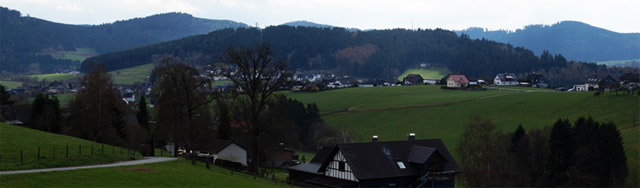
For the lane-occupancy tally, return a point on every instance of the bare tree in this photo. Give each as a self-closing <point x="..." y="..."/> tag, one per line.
<point x="97" y="111"/>
<point x="258" y="77"/>
<point x="183" y="113"/>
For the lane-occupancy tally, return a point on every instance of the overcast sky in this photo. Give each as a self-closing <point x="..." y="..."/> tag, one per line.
<point x="616" y="15"/>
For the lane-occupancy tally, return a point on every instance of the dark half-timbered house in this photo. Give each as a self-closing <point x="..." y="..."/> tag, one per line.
<point x="409" y="163"/>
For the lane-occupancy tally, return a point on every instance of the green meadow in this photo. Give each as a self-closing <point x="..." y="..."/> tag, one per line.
<point x="80" y="54"/>
<point x="16" y="139"/>
<point x="132" y="75"/>
<point x="56" y="76"/>
<point x="425" y="73"/>
<point x="122" y="76"/>
<point x="178" y="173"/>
<point x="431" y="112"/>
<point x="619" y="62"/>
<point x="10" y="84"/>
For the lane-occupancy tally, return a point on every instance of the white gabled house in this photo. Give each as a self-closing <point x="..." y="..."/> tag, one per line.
<point x="505" y="79"/>
<point x="227" y="150"/>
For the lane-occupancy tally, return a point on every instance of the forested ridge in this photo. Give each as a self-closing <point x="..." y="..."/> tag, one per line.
<point x="369" y="54"/>
<point x="25" y="39"/>
<point x="575" y="40"/>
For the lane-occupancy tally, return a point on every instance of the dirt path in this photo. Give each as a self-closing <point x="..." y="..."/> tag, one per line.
<point x="124" y="163"/>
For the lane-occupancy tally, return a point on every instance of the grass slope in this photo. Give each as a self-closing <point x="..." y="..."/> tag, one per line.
<point x="132" y="75"/>
<point x="10" y="84"/>
<point x="178" y="173"/>
<point x="14" y="139"/>
<point x="56" y="76"/>
<point x="436" y="113"/>
<point x="629" y="62"/>
<point x="122" y="76"/>
<point x="425" y="73"/>
<point x="80" y="54"/>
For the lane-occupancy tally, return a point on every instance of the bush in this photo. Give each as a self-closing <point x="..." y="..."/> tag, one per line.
<point x="229" y="164"/>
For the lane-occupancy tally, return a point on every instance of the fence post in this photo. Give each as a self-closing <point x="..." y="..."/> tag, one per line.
<point x="38" y="152"/>
<point x="80" y="149"/>
<point x="102" y="149"/>
<point x="54" y="151"/>
<point x="120" y="150"/>
<point x="20" y="156"/>
<point x="67" y="150"/>
<point x="91" y="149"/>
<point x="113" y="150"/>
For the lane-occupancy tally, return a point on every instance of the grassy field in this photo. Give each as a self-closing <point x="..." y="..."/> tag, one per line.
<point x="356" y="99"/>
<point x="122" y="76"/>
<point x="392" y="112"/>
<point x="132" y="75"/>
<point x="10" y="84"/>
<point x="425" y="73"/>
<point x="14" y="139"/>
<point x="80" y="54"/>
<point x="179" y="173"/>
<point x="56" y="76"/>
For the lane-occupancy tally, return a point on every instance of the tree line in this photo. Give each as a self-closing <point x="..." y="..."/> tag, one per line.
<point x="371" y="54"/>
<point x="586" y="153"/>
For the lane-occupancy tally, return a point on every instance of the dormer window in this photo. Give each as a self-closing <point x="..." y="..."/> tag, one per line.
<point x="401" y="165"/>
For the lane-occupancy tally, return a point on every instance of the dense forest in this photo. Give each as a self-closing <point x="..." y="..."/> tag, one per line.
<point x="24" y="39"/>
<point x="369" y="54"/>
<point x="575" y="40"/>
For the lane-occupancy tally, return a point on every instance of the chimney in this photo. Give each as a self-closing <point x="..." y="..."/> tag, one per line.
<point x="412" y="136"/>
<point x="374" y="138"/>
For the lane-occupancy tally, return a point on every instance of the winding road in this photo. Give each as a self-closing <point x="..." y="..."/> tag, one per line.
<point x="124" y="163"/>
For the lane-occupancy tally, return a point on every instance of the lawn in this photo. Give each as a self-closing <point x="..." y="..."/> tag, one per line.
<point x="132" y="75"/>
<point x="384" y="112"/>
<point x="425" y="73"/>
<point x="15" y="139"/>
<point x="10" y="84"/>
<point x="179" y="173"/>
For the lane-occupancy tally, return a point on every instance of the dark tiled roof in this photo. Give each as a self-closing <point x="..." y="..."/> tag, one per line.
<point x="322" y="155"/>
<point x="630" y="77"/>
<point x="419" y="154"/>
<point x="314" y="166"/>
<point x="372" y="160"/>
<point x="216" y="145"/>
<point x="507" y="77"/>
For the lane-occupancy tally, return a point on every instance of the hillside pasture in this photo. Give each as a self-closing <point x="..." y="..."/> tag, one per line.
<point x="425" y="73"/>
<point x="56" y="76"/>
<point x="178" y="173"/>
<point x="10" y="84"/>
<point x="436" y="113"/>
<point x="132" y="75"/>
<point x="16" y="139"/>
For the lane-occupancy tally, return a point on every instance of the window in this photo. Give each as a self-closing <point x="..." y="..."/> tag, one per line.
<point x="401" y="165"/>
<point x="341" y="165"/>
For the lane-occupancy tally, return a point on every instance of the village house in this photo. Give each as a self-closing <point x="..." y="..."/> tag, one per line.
<point x="505" y="79"/>
<point x="226" y="150"/>
<point x="600" y="83"/>
<point x="431" y="81"/>
<point x="537" y="80"/>
<point x="457" y="81"/>
<point x="412" y="79"/>
<point x="630" y="80"/>
<point x="409" y="163"/>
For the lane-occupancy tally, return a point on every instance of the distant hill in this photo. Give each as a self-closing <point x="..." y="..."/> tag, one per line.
<point x="303" y="23"/>
<point x="381" y="54"/>
<point x="24" y="40"/>
<point x="575" y="40"/>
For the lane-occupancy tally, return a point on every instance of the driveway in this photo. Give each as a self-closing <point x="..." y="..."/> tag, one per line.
<point x="124" y="163"/>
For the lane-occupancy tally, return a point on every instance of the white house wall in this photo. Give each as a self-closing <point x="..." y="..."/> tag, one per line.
<point x="234" y="153"/>
<point x="332" y="169"/>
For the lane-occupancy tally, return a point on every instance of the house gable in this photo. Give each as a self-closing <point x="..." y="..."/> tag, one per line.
<point x="234" y="153"/>
<point x="337" y="167"/>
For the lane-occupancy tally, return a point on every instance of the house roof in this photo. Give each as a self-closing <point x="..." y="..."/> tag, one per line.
<point x="459" y="78"/>
<point x="216" y="145"/>
<point x="630" y="77"/>
<point x="414" y="78"/>
<point x="507" y="77"/>
<point x="372" y="160"/>
<point x="316" y="163"/>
